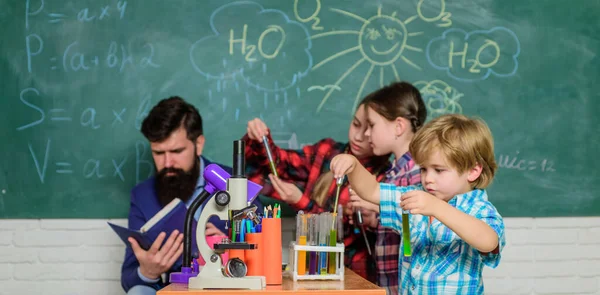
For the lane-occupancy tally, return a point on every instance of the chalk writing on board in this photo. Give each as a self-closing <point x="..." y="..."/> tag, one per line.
<point x="313" y="17"/>
<point x="86" y="118"/>
<point x="117" y="56"/>
<point x="269" y="51"/>
<point x="475" y="55"/>
<point x="91" y="168"/>
<point x="443" y="17"/>
<point x="84" y="15"/>
<point x="516" y="162"/>
<point x="439" y="97"/>
<point x="382" y="40"/>
<point x="324" y="88"/>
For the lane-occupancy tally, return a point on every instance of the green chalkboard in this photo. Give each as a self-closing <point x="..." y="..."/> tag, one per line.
<point x="78" y="77"/>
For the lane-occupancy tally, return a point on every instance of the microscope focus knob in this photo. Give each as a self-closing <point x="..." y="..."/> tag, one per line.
<point x="222" y="198"/>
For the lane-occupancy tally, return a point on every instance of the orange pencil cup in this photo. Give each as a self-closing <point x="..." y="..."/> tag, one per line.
<point x="272" y="256"/>
<point x="254" y="258"/>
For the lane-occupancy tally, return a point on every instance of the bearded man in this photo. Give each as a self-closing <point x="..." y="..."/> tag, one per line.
<point x="174" y="129"/>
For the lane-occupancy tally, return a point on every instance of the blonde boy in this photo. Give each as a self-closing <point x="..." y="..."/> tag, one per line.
<point x="455" y="230"/>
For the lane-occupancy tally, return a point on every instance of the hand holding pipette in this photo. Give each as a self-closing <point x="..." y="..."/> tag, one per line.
<point x="257" y="130"/>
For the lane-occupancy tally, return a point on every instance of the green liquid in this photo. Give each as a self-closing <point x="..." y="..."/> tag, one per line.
<point x="406" y="236"/>
<point x="273" y="169"/>
<point x="332" y="242"/>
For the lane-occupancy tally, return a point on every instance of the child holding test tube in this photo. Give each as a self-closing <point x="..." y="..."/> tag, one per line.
<point x="455" y="229"/>
<point x="305" y="182"/>
<point x="394" y="114"/>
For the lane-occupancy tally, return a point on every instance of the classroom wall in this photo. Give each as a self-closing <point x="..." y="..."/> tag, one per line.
<point x="72" y="257"/>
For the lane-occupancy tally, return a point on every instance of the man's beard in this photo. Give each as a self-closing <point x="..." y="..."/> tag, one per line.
<point x="181" y="185"/>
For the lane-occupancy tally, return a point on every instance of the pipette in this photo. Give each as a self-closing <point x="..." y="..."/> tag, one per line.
<point x="339" y="181"/>
<point x="269" y="155"/>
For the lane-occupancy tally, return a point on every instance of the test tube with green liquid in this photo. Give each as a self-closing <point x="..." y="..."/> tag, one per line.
<point x="406" y="234"/>
<point x="271" y="163"/>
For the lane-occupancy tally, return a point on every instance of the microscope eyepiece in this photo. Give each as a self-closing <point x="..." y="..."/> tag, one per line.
<point x="239" y="159"/>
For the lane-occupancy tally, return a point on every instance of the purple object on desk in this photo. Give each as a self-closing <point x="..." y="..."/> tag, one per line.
<point x="216" y="180"/>
<point x="183" y="276"/>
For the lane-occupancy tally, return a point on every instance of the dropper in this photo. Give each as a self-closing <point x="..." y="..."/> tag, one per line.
<point x="339" y="181"/>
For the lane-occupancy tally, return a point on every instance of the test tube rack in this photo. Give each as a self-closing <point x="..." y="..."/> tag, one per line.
<point x="339" y="260"/>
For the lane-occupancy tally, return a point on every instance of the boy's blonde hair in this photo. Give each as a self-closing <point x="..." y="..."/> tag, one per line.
<point x="465" y="142"/>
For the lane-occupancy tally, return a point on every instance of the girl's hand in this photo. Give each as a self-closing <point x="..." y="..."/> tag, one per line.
<point x="342" y="164"/>
<point x="288" y="192"/>
<point x="420" y="202"/>
<point x="257" y="129"/>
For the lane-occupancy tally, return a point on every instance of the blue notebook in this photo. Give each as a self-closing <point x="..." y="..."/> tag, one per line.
<point x="172" y="216"/>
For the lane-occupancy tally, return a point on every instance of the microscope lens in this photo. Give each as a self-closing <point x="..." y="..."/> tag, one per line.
<point x="236" y="268"/>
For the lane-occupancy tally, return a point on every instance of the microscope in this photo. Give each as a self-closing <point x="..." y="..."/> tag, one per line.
<point x="230" y="200"/>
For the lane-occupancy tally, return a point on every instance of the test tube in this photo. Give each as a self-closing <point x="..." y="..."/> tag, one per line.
<point x="332" y="243"/>
<point x="312" y="236"/>
<point x="269" y="155"/>
<point x="340" y="225"/>
<point x="301" y="240"/>
<point x="406" y="249"/>
<point x="323" y="234"/>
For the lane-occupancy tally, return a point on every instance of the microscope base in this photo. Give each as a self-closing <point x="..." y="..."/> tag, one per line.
<point x="250" y="282"/>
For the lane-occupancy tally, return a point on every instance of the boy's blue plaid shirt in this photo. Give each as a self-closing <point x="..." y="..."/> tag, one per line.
<point x="441" y="262"/>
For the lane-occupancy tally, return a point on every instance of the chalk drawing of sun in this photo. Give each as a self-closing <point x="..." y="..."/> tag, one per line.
<point x="382" y="40"/>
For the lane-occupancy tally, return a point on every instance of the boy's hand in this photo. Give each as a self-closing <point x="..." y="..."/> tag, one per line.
<point x="342" y="164"/>
<point x="257" y="129"/>
<point x="420" y="202"/>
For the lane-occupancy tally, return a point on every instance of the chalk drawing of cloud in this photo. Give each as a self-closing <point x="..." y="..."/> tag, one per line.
<point x="475" y="55"/>
<point x="263" y="46"/>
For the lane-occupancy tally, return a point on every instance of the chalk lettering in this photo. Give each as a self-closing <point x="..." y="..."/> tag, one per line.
<point x="31" y="13"/>
<point x="126" y="58"/>
<point x="121" y="6"/>
<point x="88" y="118"/>
<point x="111" y="57"/>
<point x="30" y="53"/>
<point x="41" y="170"/>
<point x="118" y="116"/>
<point x="83" y="16"/>
<point x="147" y="61"/>
<point x="117" y="171"/>
<point x="140" y="153"/>
<point x="104" y="12"/>
<point x="42" y="114"/>
<point x="91" y="168"/>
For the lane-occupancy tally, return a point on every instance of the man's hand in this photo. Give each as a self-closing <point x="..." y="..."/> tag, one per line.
<point x="212" y="230"/>
<point x="157" y="260"/>
<point x="342" y="164"/>
<point x="420" y="202"/>
<point x="257" y="129"/>
<point x="288" y="192"/>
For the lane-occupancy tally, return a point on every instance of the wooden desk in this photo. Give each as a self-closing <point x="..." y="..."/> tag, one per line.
<point x="352" y="284"/>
